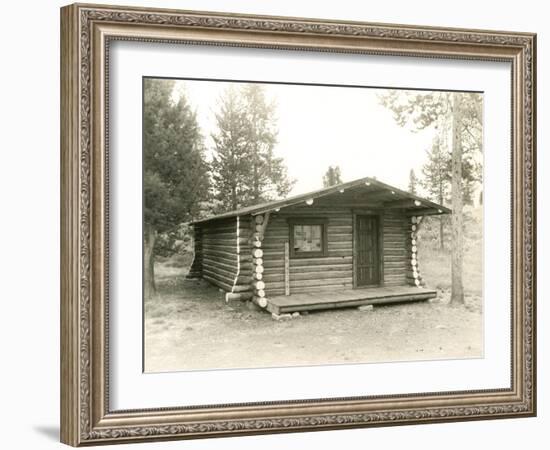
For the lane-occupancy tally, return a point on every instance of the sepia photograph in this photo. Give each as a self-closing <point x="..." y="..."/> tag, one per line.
<point x="289" y="224"/>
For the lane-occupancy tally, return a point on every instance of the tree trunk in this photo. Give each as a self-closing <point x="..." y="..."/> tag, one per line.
<point x="441" y="234"/>
<point x="441" y="228"/>
<point x="457" y="290"/>
<point x="149" y="286"/>
<point x="233" y="198"/>
<point x="255" y="183"/>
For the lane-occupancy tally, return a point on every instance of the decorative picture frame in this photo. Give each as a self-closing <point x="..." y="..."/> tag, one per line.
<point x="86" y="34"/>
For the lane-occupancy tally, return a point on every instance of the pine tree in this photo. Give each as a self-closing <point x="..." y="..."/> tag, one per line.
<point x="175" y="178"/>
<point x="413" y="181"/>
<point x="459" y="115"/>
<point x="436" y="181"/>
<point x="231" y="165"/>
<point x="332" y="176"/>
<point x="269" y="173"/>
<point x="245" y="168"/>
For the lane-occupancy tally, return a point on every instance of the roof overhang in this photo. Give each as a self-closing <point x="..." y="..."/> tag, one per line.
<point x="367" y="191"/>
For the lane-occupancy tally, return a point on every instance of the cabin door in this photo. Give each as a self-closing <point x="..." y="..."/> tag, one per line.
<point x="367" y="259"/>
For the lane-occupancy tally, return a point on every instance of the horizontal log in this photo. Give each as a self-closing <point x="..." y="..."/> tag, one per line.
<point x="227" y="273"/>
<point x="241" y="283"/>
<point x="331" y="254"/>
<point x="321" y="261"/>
<point x="391" y="273"/>
<point x="220" y="248"/>
<point x="315" y="283"/>
<point x="391" y="258"/>
<point x="224" y="235"/>
<point x="224" y="258"/>
<point x="217" y="282"/>
<point x="395" y="252"/>
<point x="340" y="245"/>
<point x="242" y="288"/>
<point x="307" y="289"/>
<point x="217" y="275"/>
<point x="395" y="245"/>
<point x="224" y="265"/>
<point x="245" y="260"/>
<point x="340" y="229"/>
<point x="395" y="237"/>
<point x="308" y="276"/>
<point x="260" y="301"/>
<point x="322" y="268"/>
<point x="236" y="296"/>
<point x="394" y="265"/>
<point x="226" y="242"/>
<point x="339" y="237"/>
<point x="220" y="229"/>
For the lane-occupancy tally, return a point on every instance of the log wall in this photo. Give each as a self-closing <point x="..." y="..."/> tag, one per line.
<point x="225" y="254"/>
<point x="335" y="271"/>
<point x="331" y="272"/>
<point x="395" y="248"/>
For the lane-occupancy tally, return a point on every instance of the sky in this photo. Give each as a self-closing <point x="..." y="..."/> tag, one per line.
<point x="321" y="126"/>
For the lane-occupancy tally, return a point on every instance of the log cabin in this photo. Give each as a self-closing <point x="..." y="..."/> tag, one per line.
<point x="347" y="245"/>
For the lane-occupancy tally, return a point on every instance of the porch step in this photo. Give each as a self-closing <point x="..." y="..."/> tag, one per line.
<point x="347" y="298"/>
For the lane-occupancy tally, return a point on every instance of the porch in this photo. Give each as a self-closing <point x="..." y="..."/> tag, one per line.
<point x="310" y="301"/>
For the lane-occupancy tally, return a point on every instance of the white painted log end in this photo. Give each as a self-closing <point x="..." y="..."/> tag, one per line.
<point x="259" y="285"/>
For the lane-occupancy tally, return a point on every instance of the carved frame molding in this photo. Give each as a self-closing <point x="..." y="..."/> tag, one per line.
<point x="86" y="31"/>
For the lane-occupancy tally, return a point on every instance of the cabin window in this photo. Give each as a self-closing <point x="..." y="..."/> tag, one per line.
<point x="308" y="238"/>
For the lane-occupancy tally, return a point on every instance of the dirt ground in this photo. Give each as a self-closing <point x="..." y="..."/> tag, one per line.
<point x="188" y="326"/>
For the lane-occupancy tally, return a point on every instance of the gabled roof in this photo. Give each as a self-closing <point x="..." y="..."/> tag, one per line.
<point x="368" y="188"/>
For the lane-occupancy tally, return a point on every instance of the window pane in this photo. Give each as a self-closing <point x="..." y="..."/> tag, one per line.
<point x="308" y="238"/>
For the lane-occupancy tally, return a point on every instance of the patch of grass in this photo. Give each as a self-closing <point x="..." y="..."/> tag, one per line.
<point x="435" y="264"/>
<point x="435" y="268"/>
<point x="179" y="260"/>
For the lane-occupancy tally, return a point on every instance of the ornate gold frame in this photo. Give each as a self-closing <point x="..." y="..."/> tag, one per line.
<point x="86" y="31"/>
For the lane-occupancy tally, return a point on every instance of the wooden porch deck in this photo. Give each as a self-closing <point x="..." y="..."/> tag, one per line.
<point x="347" y="298"/>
